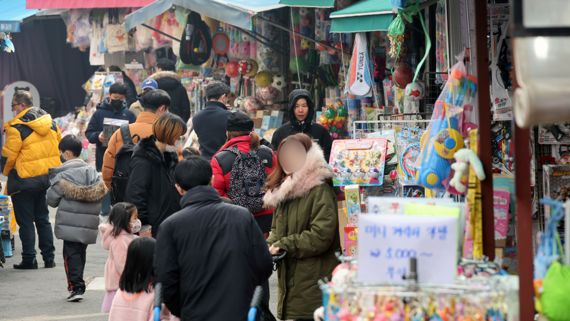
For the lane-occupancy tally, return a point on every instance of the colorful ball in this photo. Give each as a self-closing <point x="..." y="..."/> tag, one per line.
<point x="330" y="113"/>
<point x="263" y="79"/>
<point x="342" y="111"/>
<point x="232" y="69"/>
<point x="403" y="75"/>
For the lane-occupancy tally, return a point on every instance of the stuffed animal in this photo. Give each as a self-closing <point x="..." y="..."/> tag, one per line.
<point x="463" y="158"/>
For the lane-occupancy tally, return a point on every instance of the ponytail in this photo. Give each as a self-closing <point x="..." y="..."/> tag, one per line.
<point x="255" y="141"/>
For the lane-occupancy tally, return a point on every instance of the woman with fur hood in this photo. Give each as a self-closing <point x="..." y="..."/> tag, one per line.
<point x="76" y="190"/>
<point x="305" y="224"/>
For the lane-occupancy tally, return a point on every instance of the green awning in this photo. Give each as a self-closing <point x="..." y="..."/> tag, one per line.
<point x="308" y="3"/>
<point x="364" y="16"/>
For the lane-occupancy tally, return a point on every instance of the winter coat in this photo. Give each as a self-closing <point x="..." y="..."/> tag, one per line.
<point x="211" y="257"/>
<point x="179" y="102"/>
<point x="76" y="190"/>
<point x="151" y="184"/>
<point x="136" y="108"/>
<point x="132" y="306"/>
<point x="31" y="149"/>
<point x="142" y="128"/>
<point x="131" y="95"/>
<point x="317" y="132"/>
<point x="95" y="127"/>
<point x="221" y="182"/>
<point x="117" y="247"/>
<point x="210" y="124"/>
<point x="305" y="224"/>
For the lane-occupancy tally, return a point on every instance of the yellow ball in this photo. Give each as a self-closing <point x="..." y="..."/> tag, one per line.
<point x="432" y="179"/>
<point x="263" y="79"/>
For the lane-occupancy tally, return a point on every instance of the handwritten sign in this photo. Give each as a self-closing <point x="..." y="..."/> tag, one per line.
<point x="387" y="242"/>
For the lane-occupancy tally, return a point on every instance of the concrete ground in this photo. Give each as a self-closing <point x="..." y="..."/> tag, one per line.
<point x="39" y="295"/>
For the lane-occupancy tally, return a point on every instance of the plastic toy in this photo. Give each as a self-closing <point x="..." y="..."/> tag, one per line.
<point x="353" y="160"/>
<point x="232" y="69"/>
<point x="464" y="158"/>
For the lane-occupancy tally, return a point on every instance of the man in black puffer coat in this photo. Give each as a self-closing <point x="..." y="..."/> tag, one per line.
<point x="301" y="114"/>
<point x="169" y="81"/>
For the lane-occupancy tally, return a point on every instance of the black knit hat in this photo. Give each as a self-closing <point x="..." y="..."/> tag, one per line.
<point x="216" y="89"/>
<point x="239" y="122"/>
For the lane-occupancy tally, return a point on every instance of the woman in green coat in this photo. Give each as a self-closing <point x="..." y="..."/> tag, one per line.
<point x="305" y="224"/>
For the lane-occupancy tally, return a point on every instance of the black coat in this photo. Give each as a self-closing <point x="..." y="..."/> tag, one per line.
<point x="179" y="102"/>
<point x="209" y="258"/>
<point x="151" y="184"/>
<point x="210" y="125"/>
<point x="317" y="132"/>
<point x="95" y="127"/>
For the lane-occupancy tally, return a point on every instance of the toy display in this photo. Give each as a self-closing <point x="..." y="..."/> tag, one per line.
<point x="501" y="204"/>
<point x="444" y="138"/>
<point x="359" y="161"/>
<point x="334" y="118"/>
<point x="408" y="149"/>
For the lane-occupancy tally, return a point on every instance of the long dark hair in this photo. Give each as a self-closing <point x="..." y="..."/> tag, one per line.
<point x="120" y="217"/>
<point x="277" y="177"/>
<point x="138" y="274"/>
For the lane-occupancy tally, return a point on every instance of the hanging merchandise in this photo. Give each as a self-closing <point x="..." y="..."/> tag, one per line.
<point x="196" y="44"/>
<point x="360" y="81"/>
<point x="444" y="134"/>
<point x="441" y="55"/>
<point x="334" y="118"/>
<point x="96" y="55"/>
<point x="221" y="47"/>
<point x="359" y="161"/>
<point x="6" y="44"/>
<point x="408" y="149"/>
<point x="247" y="68"/>
<point x="78" y="28"/>
<point x="502" y="103"/>
<point x="232" y="69"/>
<point x="116" y="38"/>
<point x="551" y="277"/>
<point x="263" y="79"/>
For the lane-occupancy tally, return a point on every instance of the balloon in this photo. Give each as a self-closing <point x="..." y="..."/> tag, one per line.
<point x="342" y="111"/>
<point x="248" y="67"/>
<point x="263" y="79"/>
<point x="232" y="69"/>
<point x="330" y="113"/>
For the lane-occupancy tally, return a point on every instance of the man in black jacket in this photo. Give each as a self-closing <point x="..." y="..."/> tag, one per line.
<point x="210" y="123"/>
<point x="212" y="254"/>
<point x="169" y="81"/>
<point x="301" y="114"/>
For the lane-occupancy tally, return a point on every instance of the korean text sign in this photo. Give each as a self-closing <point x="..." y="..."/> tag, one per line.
<point x="387" y="242"/>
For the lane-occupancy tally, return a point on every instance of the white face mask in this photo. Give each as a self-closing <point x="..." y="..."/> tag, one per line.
<point x="135" y="226"/>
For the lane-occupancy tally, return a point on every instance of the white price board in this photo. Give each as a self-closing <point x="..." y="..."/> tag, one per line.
<point x="387" y="242"/>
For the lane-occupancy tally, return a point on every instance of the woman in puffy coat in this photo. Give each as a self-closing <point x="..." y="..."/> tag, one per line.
<point x="151" y="186"/>
<point x="305" y="224"/>
<point x="241" y="136"/>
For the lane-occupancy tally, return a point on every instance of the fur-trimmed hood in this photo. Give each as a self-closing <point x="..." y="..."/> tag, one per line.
<point x="315" y="172"/>
<point x="167" y="80"/>
<point x="89" y="194"/>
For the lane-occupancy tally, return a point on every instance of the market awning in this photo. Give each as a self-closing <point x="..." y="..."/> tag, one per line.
<point x="12" y="14"/>
<point x="308" y="3"/>
<point x="85" y="4"/>
<point x="235" y="12"/>
<point x="363" y="16"/>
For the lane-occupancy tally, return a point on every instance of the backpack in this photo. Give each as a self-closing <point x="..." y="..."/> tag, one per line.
<point x="122" y="167"/>
<point x="247" y="175"/>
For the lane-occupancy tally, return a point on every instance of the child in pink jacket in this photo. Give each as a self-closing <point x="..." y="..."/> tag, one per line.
<point x="117" y="235"/>
<point x="134" y="300"/>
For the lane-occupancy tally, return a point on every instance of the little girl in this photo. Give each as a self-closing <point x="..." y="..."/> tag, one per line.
<point x="117" y="235"/>
<point x="134" y="300"/>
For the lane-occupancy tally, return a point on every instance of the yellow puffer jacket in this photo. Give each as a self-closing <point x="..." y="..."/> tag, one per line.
<point x="31" y="148"/>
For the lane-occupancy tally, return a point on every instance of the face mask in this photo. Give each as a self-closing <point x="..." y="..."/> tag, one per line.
<point x="116" y="104"/>
<point x="62" y="158"/>
<point x="135" y="226"/>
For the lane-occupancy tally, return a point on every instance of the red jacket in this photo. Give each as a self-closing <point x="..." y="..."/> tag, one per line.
<point x="221" y="182"/>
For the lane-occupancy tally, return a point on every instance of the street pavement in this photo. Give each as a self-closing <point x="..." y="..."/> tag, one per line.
<point x="40" y="295"/>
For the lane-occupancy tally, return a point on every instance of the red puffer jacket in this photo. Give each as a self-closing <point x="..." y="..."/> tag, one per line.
<point x="222" y="182"/>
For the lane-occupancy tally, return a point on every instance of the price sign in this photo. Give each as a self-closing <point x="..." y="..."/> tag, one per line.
<point x="387" y="242"/>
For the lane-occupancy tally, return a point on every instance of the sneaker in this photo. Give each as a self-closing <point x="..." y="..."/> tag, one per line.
<point x="49" y="264"/>
<point x="33" y="265"/>
<point x="75" y="296"/>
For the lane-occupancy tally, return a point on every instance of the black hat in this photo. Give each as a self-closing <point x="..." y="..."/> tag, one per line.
<point x="216" y="89"/>
<point x="239" y="122"/>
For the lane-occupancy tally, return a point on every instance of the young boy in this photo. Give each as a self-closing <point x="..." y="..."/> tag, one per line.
<point x="76" y="190"/>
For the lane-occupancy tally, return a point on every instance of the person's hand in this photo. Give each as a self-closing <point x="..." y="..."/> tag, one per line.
<point x="102" y="138"/>
<point x="274" y="250"/>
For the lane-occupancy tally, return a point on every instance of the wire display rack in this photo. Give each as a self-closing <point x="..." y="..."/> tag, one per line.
<point x="363" y="128"/>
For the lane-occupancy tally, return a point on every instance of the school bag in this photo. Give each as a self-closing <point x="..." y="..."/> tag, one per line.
<point x="122" y="167"/>
<point x="247" y="175"/>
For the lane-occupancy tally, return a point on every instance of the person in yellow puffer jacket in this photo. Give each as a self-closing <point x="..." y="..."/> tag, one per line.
<point x="31" y="149"/>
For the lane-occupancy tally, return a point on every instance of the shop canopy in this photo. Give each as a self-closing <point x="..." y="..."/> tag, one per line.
<point x="13" y="12"/>
<point x="308" y="3"/>
<point x="238" y="13"/>
<point x="85" y="4"/>
<point x="363" y="16"/>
